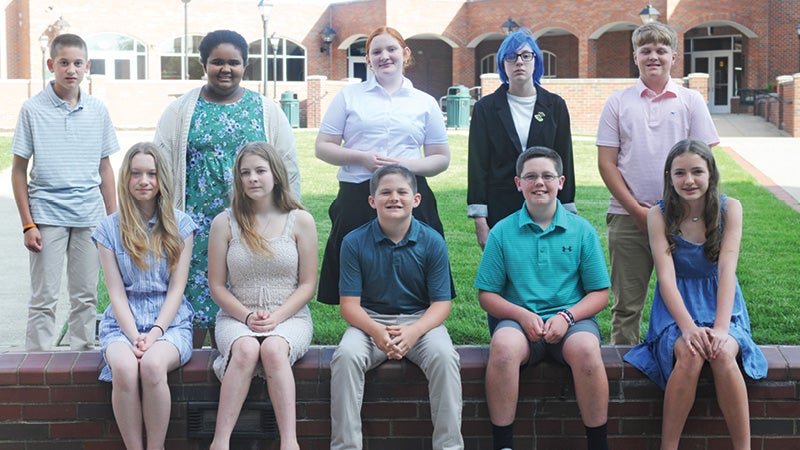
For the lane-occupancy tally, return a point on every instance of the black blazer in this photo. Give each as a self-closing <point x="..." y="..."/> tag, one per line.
<point x="494" y="147"/>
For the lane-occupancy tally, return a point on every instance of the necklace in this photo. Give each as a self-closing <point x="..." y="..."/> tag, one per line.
<point x="695" y="219"/>
<point x="266" y="225"/>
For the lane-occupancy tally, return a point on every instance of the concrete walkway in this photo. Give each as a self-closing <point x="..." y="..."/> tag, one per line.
<point x="768" y="153"/>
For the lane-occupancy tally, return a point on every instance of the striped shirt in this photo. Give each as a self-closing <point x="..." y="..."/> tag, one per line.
<point x="66" y="145"/>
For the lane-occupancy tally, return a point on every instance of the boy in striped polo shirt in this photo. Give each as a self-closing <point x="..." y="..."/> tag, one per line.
<point x="69" y="135"/>
<point x="542" y="279"/>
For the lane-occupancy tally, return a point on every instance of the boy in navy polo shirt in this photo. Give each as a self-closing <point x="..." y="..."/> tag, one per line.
<point x="542" y="279"/>
<point x="395" y="293"/>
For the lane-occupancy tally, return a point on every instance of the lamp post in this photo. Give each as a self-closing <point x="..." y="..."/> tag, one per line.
<point x="274" y="40"/>
<point x="62" y="26"/>
<point x="185" y="57"/>
<point x="44" y="40"/>
<point x="265" y="9"/>
<point x="509" y="26"/>
<point x="649" y="14"/>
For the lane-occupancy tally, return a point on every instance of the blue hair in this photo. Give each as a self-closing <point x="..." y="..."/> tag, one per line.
<point x="510" y="46"/>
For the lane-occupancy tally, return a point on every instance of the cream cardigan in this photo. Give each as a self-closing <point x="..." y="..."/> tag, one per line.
<point x="172" y="135"/>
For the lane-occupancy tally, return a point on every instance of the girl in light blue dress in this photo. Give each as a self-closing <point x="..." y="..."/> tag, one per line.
<point x="146" y="331"/>
<point x="698" y="315"/>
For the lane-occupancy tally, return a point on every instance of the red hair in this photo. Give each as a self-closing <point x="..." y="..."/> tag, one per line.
<point x="397" y="36"/>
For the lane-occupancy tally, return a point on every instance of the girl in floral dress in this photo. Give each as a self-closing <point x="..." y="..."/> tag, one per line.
<point x="202" y="131"/>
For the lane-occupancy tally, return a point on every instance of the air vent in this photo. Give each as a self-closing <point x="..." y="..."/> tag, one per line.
<point x="256" y="421"/>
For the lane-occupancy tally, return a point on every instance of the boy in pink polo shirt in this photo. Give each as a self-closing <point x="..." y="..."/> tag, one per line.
<point x="637" y="128"/>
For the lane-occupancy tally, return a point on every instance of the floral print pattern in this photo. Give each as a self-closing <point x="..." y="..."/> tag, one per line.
<point x="216" y="134"/>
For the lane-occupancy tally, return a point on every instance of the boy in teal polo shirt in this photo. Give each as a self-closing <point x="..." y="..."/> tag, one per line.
<point x="542" y="279"/>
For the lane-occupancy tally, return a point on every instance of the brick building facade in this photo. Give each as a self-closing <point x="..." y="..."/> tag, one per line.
<point x="740" y="44"/>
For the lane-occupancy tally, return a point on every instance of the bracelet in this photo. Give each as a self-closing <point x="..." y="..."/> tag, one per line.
<point x="155" y="325"/>
<point x="248" y="317"/>
<point x="567" y="316"/>
<point x="27" y="227"/>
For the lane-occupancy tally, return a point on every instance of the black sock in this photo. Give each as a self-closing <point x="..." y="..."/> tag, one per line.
<point x="503" y="436"/>
<point x="597" y="437"/>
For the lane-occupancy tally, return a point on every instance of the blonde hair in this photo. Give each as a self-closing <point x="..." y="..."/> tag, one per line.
<point x="242" y="205"/>
<point x="655" y="33"/>
<point x="164" y="238"/>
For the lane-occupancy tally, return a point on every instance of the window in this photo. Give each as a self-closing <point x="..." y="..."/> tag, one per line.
<point x="357" y="60"/>
<point x="171" y="53"/>
<point x="489" y="64"/>
<point x="550" y="61"/>
<point x="117" y="56"/>
<point x="287" y="61"/>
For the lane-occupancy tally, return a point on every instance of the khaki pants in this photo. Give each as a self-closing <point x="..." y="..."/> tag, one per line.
<point x="631" y="268"/>
<point x="82" y="271"/>
<point x="433" y="353"/>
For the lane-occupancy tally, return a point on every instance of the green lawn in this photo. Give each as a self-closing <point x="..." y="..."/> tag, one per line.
<point x="767" y="264"/>
<point x="766" y="268"/>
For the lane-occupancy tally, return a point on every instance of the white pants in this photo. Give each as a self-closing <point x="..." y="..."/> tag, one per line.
<point x="433" y="353"/>
<point x="46" y="268"/>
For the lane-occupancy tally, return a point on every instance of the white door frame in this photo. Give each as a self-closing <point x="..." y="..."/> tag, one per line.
<point x="712" y="56"/>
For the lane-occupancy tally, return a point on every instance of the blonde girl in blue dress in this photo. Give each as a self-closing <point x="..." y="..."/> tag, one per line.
<point x="699" y="315"/>
<point x="146" y="331"/>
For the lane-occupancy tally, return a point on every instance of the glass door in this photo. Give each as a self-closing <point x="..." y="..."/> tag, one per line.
<point x="720" y="76"/>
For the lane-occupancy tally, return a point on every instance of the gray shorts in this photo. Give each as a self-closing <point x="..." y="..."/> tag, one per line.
<point x="540" y="349"/>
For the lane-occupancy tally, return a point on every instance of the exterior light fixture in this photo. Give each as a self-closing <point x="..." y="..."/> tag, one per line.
<point x="649" y="14"/>
<point x="509" y="26"/>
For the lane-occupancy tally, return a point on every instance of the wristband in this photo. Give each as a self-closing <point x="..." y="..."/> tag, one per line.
<point x="159" y="327"/>
<point x="567" y="316"/>
<point x="248" y="317"/>
<point x="27" y="227"/>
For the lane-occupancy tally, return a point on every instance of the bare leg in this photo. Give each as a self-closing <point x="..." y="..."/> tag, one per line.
<point x="732" y="394"/>
<point x="582" y="353"/>
<point x="235" y="385"/>
<point x="680" y="394"/>
<point x="281" y="387"/>
<point x="507" y="351"/>
<point x="125" y="399"/>
<point x="159" y="360"/>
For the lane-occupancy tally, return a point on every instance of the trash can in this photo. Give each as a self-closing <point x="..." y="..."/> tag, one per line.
<point x="291" y="107"/>
<point x="458" y="100"/>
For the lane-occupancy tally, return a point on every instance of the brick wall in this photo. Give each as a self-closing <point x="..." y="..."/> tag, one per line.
<point x="585" y="98"/>
<point x="54" y="401"/>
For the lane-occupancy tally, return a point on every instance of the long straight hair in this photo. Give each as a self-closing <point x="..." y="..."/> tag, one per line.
<point x="673" y="205"/>
<point x="242" y="205"/>
<point x="163" y="240"/>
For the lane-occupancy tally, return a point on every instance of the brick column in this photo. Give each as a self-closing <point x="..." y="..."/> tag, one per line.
<point x="793" y="95"/>
<point x="489" y="83"/>
<point x="313" y="101"/>
<point x="699" y="82"/>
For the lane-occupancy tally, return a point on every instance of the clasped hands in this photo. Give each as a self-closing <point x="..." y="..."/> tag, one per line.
<point x="705" y="341"/>
<point x="144" y="341"/>
<point x="262" y="321"/>
<point x="551" y="331"/>
<point x="397" y="340"/>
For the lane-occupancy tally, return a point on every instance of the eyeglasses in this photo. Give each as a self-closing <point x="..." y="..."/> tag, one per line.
<point x="526" y="57"/>
<point x="532" y="177"/>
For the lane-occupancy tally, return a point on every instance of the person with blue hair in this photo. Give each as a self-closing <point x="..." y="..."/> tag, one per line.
<point x="518" y="115"/>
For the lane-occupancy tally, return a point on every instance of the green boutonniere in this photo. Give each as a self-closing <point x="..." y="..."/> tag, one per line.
<point x="539" y="116"/>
